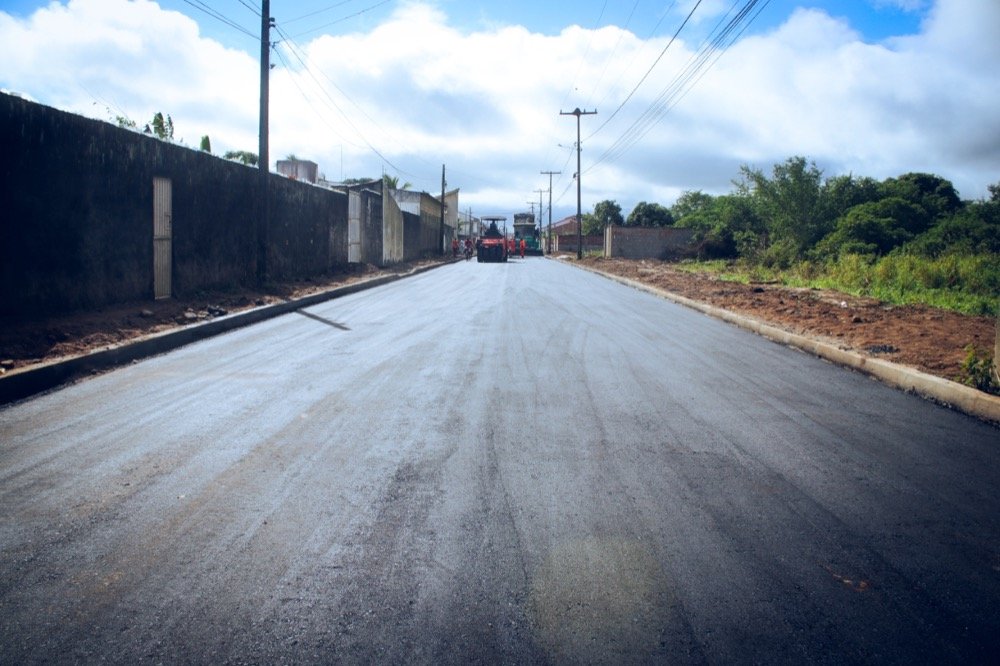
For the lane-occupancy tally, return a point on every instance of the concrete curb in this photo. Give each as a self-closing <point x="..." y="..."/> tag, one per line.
<point x="29" y="381"/>
<point x="951" y="394"/>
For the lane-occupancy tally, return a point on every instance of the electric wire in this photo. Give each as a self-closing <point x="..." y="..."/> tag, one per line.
<point x="648" y="71"/>
<point x="201" y="6"/>
<point x="341" y="20"/>
<point x="317" y="12"/>
<point x="295" y="51"/>
<point x="696" y="67"/>
<point x="253" y="10"/>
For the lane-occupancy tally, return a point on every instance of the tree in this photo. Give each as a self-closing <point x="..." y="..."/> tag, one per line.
<point x="607" y="212"/>
<point x="842" y="193"/>
<point x="392" y="182"/>
<point x="161" y="127"/>
<point x="875" y="227"/>
<point x="649" y="215"/>
<point x="206" y="144"/>
<point x="935" y="194"/>
<point x="690" y="202"/>
<point x="788" y="203"/>
<point x="592" y="225"/>
<point x="244" y="156"/>
<point x="726" y="225"/>
<point x="973" y="230"/>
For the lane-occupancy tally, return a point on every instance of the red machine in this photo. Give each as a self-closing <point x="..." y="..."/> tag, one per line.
<point x="492" y="246"/>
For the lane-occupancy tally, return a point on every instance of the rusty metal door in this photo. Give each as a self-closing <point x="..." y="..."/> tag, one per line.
<point x="162" y="238"/>
<point x="354" y="227"/>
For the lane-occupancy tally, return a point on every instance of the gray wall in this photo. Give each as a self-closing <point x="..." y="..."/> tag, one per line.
<point x="645" y="243"/>
<point x="76" y="226"/>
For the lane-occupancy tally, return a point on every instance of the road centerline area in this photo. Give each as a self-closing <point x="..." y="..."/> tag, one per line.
<point x="520" y="464"/>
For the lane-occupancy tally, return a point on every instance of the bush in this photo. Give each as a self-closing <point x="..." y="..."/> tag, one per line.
<point x="978" y="371"/>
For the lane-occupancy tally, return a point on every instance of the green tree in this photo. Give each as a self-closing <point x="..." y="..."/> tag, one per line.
<point x="160" y="126"/>
<point x="605" y="212"/>
<point x="935" y="194"/>
<point x="244" y="156"/>
<point x="392" y="182"/>
<point x="592" y="225"/>
<point x="789" y="204"/>
<point x="649" y="215"/>
<point x="725" y="225"/>
<point x="206" y="144"/>
<point x="842" y="193"/>
<point x="973" y="230"/>
<point x="875" y="227"/>
<point x="689" y="203"/>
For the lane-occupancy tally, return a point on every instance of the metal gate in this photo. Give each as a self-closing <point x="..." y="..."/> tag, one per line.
<point x="354" y="227"/>
<point x="162" y="238"/>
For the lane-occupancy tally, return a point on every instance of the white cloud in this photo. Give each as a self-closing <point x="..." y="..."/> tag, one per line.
<point x="487" y="103"/>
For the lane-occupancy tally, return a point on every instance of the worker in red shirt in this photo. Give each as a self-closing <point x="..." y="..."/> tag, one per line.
<point x="523" y="244"/>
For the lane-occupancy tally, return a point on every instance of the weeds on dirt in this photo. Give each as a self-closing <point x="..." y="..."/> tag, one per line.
<point x="969" y="284"/>
<point x="978" y="371"/>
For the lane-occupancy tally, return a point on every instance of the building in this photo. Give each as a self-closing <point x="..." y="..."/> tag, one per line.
<point x="297" y="169"/>
<point x="565" y="226"/>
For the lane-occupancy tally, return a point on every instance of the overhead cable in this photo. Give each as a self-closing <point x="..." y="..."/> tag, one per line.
<point x="202" y="7"/>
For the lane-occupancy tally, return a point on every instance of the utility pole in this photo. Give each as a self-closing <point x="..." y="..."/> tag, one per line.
<point x="263" y="159"/>
<point x="550" y="174"/>
<point x="442" y="208"/>
<point x="540" y="218"/>
<point x="579" y="212"/>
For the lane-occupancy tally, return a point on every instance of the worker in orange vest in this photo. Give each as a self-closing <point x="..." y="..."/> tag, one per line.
<point x="523" y="244"/>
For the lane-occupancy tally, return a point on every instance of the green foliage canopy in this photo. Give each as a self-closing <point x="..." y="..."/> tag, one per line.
<point x="649" y="215"/>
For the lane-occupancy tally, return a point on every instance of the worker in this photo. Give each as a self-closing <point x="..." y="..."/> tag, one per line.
<point x="523" y="244"/>
<point x="454" y="247"/>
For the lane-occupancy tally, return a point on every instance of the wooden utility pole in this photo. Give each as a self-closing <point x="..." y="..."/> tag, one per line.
<point x="263" y="159"/>
<point x="579" y="211"/>
<point x="550" y="174"/>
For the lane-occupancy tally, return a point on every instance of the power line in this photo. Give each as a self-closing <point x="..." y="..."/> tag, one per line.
<point x="202" y="7"/>
<point x="295" y="51"/>
<point x="648" y="71"/>
<point x="341" y="20"/>
<point x="253" y="10"/>
<point x="697" y="66"/>
<point x="318" y="11"/>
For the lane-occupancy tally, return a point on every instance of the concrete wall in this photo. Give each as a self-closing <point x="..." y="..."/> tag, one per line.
<point x="76" y="224"/>
<point x="644" y="243"/>
<point x="567" y="243"/>
<point x="393" y="250"/>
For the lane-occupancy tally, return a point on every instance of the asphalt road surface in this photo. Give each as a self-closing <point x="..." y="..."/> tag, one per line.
<point x="519" y="463"/>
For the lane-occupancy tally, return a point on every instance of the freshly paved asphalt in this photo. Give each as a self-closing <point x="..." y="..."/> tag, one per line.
<point x="520" y="463"/>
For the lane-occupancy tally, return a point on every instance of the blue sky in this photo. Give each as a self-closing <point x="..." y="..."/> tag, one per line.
<point x="402" y="86"/>
<point x="874" y="20"/>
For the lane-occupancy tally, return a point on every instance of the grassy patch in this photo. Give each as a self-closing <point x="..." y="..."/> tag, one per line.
<point x="964" y="283"/>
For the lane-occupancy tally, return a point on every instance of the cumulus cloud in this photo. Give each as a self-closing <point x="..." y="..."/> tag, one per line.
<point x="414" y="92"/>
